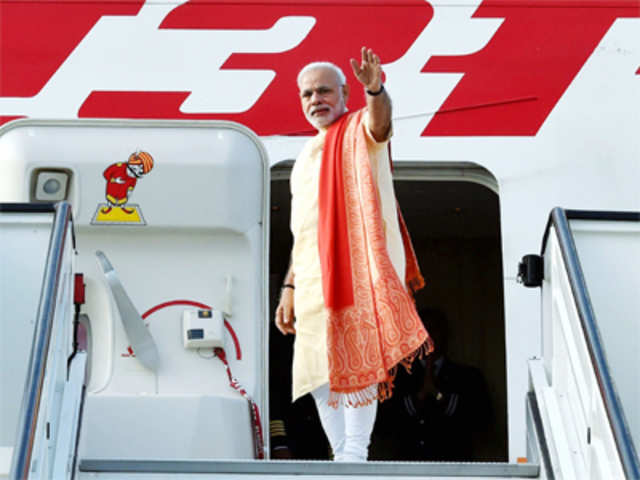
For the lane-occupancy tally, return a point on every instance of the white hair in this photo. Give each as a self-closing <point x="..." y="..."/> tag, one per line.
<point x="331" y="66"/>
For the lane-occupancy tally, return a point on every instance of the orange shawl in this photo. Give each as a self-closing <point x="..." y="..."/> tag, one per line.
<point x="373" y="324"/>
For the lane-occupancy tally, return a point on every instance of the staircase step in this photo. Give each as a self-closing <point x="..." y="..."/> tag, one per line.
<point x="313" y="468"/>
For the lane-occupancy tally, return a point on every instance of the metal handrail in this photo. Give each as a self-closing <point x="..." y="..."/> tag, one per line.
<point x="28" y="416"/>
<point x="622" y="436"/>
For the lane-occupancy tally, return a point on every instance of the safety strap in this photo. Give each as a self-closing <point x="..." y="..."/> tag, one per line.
<point x="141" y="340"/>
<point x="258" y="442"/>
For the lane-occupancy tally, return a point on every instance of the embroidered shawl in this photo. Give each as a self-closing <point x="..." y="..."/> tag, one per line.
<point x="373" y="324"/>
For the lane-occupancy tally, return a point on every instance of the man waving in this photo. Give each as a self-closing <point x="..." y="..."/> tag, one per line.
<point x="352" y="264"/>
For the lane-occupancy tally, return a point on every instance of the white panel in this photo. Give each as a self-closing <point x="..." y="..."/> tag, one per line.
<point x="608" y="255"/>
<point x="24" y="239"/>
<point x="168" y="427"/>
<point x="570" y="388"/>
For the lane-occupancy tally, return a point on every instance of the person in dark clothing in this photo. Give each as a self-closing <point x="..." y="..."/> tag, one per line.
<point x="435" y="411"/>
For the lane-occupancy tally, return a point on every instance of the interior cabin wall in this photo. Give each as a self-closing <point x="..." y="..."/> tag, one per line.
<point x="456" y="234"/>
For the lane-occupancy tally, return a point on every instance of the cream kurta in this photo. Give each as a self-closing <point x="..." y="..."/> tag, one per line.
<point x="310" y="363"/>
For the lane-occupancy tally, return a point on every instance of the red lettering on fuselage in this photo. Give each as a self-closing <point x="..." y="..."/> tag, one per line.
<point x="510" y="86"/>
<point x="37" y="37"/>
<point x="339" y="32"/>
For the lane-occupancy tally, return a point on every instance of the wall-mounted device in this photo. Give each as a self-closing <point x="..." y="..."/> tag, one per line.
<point x="50" y="185"/>
<point x="202" y="328"/>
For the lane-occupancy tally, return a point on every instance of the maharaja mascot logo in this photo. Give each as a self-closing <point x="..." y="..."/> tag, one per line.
<point x="121" y="180"/>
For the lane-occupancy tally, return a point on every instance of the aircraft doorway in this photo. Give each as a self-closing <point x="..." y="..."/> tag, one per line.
<point x="453" y="215"/>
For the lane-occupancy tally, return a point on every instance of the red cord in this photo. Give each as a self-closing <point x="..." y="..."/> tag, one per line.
<point x="258" y="442"/>
<point x="219" y="352"/>
<point x="191" y="303"/>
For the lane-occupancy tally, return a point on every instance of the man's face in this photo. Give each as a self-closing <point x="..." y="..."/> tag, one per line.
<point x="322" y="97"/>
<point x="137" y="169"/>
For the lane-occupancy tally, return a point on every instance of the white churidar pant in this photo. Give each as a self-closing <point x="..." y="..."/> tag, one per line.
<point x="347" y="428"/>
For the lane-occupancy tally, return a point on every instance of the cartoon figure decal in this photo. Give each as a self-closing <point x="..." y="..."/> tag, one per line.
<point x="121" y="180"/>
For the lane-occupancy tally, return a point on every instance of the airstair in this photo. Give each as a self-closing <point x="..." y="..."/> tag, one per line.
<point x="586" y="383"/>
<point x="86" y="393"/>
<point x="43" y="376"/>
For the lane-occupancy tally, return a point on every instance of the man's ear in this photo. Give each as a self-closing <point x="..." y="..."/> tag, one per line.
<point x="345" y="92"/>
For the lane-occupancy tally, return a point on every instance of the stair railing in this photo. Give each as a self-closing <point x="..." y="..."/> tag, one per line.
<point x="30" y="407"/>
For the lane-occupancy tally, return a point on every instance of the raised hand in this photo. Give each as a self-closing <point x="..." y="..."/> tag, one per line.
<point x="369" y="74"/>
<point x="369" y="71"/>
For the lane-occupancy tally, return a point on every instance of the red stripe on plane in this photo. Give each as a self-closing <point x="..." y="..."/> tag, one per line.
<point x="536" y="53"/>
<point x="119" y="104"/>
<point x="7" y="118"/>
